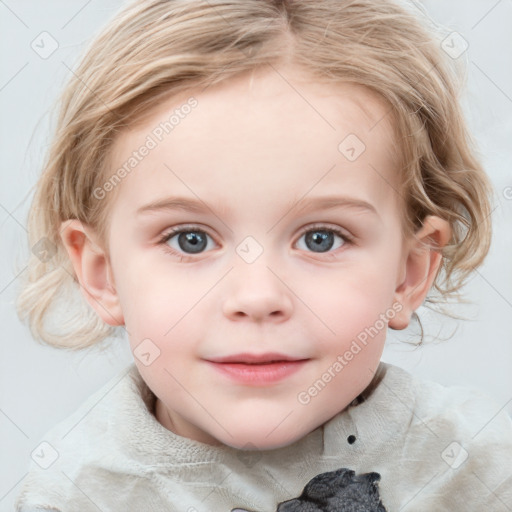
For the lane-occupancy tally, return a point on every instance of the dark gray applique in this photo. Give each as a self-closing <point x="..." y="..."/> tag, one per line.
<point x="336" y="491"/>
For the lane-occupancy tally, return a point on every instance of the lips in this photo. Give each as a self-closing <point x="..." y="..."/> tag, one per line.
<point x="257" y="369"/>
<point x="247" y="358"/>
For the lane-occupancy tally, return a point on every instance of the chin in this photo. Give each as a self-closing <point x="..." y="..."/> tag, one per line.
<point x="258" y="438"/>
<point x="251" y="443"/>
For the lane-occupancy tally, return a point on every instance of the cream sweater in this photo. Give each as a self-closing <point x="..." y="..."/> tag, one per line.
<point x="436" y="448"/>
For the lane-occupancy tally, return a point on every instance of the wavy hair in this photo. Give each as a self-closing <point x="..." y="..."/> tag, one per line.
<point x="153" y="49"/>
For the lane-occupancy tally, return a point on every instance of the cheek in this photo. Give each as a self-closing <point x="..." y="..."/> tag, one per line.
<point x="354" y="295"/>
<point x="154" y="297"/>
<point x="350" y="306"/>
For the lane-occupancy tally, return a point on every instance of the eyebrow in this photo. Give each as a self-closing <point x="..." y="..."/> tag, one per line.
<point x="314" y="203"/>
<point x="175" y="203"/>
<point x="329" y="202"/>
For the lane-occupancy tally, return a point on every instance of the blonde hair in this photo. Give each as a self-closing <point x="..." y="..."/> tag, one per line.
<point x="154" y="49"/>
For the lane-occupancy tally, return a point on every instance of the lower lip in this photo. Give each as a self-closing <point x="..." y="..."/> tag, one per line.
<point x="259" y="374"/>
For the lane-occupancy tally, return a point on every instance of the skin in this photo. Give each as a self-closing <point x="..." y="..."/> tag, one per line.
<point x="252" y="148"/>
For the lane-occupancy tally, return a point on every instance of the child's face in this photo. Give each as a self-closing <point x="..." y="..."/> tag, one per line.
<point x="259" y="154"/>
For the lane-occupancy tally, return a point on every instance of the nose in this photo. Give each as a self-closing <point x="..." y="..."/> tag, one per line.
<point x="256" y="293"/>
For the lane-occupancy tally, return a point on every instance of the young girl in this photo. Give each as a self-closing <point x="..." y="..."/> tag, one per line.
<point x="255" y="191"/>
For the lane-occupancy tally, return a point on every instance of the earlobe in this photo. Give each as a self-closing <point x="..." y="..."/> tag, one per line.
<point x="92" y="270"/>
<point x="422" y="262"/>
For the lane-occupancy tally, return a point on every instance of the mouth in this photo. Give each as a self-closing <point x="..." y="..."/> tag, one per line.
<point x="257" y="369"/>
<point x="255" y="359"/>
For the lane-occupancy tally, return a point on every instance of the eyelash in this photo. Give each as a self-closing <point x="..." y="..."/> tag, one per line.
<point x="186" y="257"/>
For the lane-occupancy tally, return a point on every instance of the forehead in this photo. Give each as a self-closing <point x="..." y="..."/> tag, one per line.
<point x="272" y="135"/>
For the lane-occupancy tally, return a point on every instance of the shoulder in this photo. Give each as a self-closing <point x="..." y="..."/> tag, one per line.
<point x="87" y="441"/>
<point x="462" y="411"/>
<point x="458" y="443"/>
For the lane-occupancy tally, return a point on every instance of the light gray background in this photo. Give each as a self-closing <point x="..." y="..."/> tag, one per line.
<point x="40" y="386"/>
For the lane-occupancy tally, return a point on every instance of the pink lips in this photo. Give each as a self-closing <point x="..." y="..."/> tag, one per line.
<point x="254" y="358"/>
<point x="257" y="369"/>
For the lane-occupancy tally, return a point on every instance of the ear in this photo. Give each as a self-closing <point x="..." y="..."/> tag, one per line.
<point x="422" y="261"/>
<point x="93" y="271"/>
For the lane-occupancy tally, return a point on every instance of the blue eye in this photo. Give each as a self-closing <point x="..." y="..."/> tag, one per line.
<point x="188" y="240"/>
<point x="321" y="239"/>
